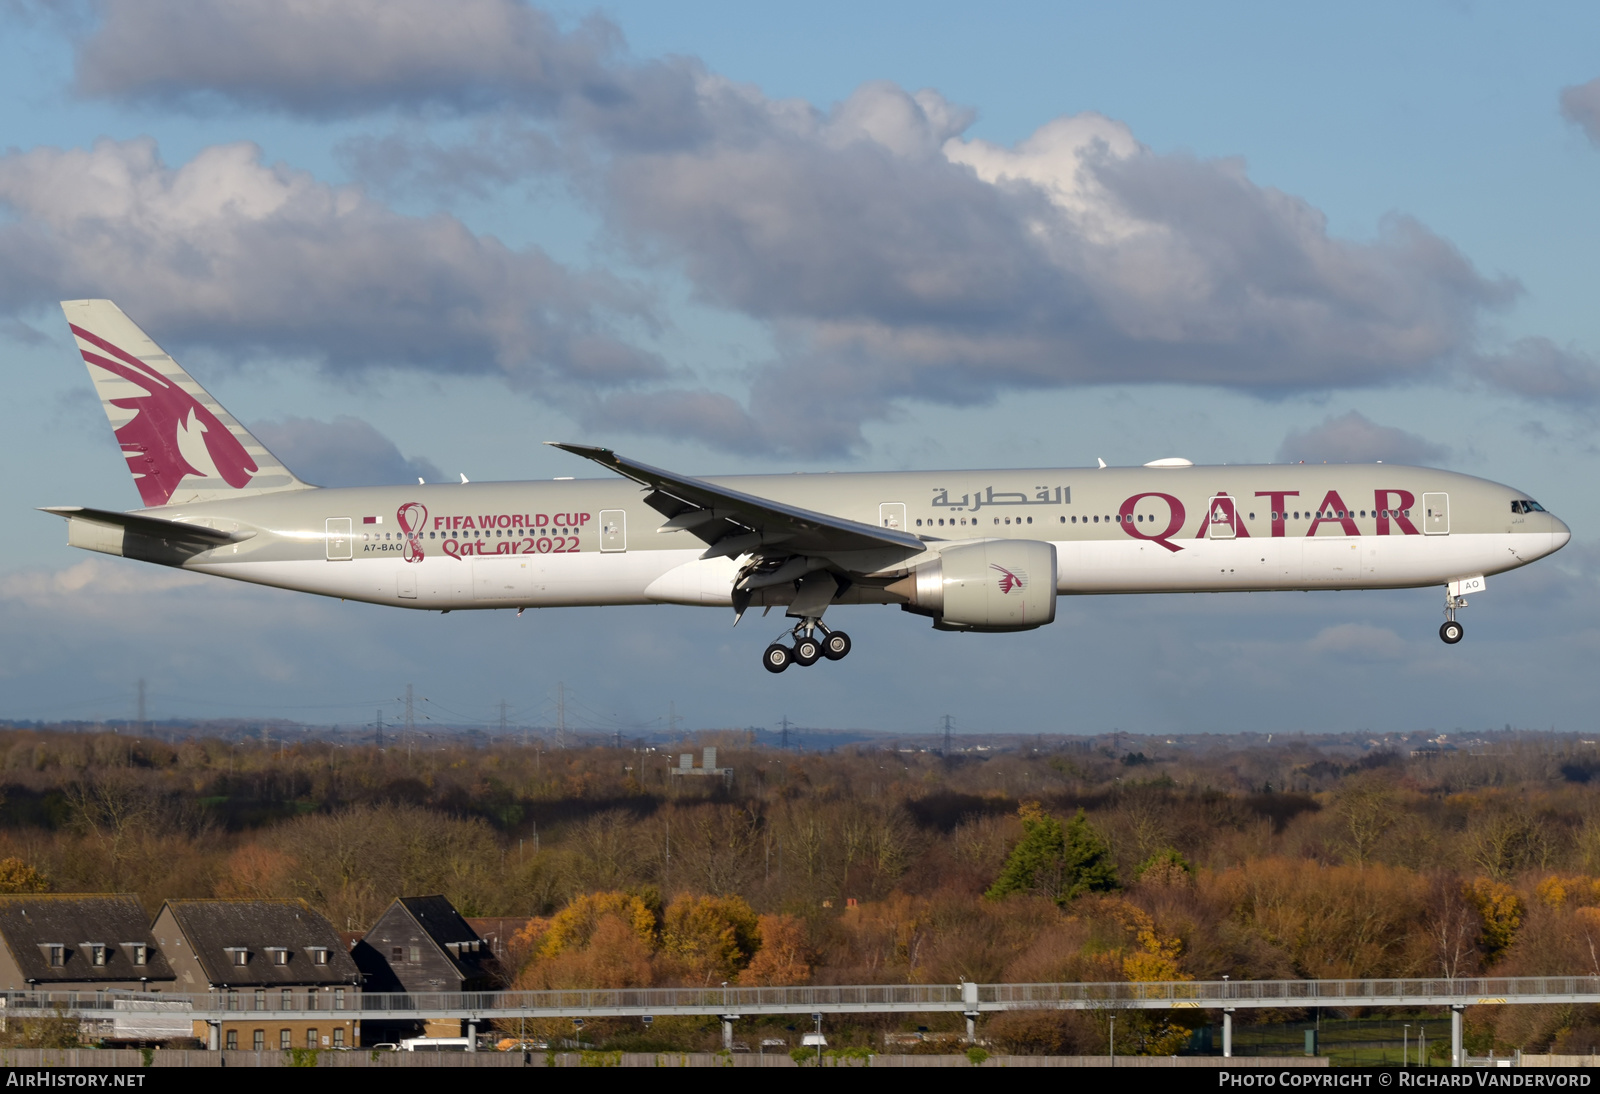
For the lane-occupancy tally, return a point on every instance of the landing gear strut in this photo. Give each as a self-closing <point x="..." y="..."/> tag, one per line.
<point x="1450" y="630"/>
<point x="812" y="641"/>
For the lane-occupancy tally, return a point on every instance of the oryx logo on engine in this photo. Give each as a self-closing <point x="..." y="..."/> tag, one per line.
<point x="1010" y="579"/>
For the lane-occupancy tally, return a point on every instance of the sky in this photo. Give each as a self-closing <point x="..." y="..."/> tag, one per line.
<point x="400" y="238"/>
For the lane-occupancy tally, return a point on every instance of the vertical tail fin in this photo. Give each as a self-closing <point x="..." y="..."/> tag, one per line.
<point x="181" y="445"/>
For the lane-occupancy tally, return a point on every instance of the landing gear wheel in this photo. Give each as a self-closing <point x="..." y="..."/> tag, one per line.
<point x="1451" y="632"/>
<point x="777" y="657"/>
<point x="836" y="645"/>
<point x="806" y="652"/>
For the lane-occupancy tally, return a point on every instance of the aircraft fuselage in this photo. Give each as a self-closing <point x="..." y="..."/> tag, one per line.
<point x="1115" y="530"/>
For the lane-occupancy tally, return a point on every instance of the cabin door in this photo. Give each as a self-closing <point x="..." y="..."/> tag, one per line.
<point x="1436" y="514"/>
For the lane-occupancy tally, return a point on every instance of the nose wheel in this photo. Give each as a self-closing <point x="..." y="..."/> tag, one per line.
<point x="1450" y="630"/>
<point x="812" y="642"/>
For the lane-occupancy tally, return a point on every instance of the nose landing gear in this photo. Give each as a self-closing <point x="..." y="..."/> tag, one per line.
<point x="1450" y="630"/>
<point x="808" y="648"/>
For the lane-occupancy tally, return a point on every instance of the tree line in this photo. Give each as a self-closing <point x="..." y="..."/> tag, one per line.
<point x="1040" y="863"/>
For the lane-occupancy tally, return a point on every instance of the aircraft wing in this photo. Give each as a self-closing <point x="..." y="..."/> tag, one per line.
<point x="736" y="523"/>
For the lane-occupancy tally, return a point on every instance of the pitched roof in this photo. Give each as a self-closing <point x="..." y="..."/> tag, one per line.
<point x="217" y="929"/>
<point x="31" y="922"/>
<point x="441" y="922"/>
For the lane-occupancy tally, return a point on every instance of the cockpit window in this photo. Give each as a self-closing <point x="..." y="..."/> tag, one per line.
<point x="1526" y="506"/>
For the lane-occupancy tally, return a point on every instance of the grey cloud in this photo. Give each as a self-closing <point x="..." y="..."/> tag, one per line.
<point x="893" y="258"/>
<point x="711" y="417"/>
<point x="1351" y="438"/>
<point x="340" y="56"/>
<point x="344" y="452"/>
<point x="1537" y="368"/>
<point x="332" y="58"/>
<point x="229" y="252"/>
<point x="899" y="261"/>
<point x="1580" y="105"/>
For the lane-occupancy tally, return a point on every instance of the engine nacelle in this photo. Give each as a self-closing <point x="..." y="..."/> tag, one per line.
<point x="997" y="585"/>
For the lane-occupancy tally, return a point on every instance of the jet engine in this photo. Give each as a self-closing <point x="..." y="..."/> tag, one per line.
<point x="997" y="585"/>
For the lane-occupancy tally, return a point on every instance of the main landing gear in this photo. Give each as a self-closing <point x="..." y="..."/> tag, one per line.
<point x="1450" y="630"/>
<point x="809" y="647"/>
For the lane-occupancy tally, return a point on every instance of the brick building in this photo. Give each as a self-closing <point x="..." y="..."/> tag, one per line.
<point x="264" y="957"/>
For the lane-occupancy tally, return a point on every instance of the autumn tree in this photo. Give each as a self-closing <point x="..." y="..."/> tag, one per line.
<point x="784" y="955"/>
<point x="711" y="937"/>
<point x="17" y="876"/>
<point x="1056" y="860"/>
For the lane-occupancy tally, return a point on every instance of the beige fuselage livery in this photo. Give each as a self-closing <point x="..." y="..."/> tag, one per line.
<point x="219" y="503"/>
<point x="1115" y="530"/>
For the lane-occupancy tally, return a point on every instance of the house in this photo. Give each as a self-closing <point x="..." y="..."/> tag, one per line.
<point x="86" y="942"/>
<point x="265" y="956"/>
<point x="79" y="942"/>
<point x="422" y="944"/>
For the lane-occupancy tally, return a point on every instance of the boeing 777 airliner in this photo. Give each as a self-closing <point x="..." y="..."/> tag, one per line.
<point x="972" y="550"/>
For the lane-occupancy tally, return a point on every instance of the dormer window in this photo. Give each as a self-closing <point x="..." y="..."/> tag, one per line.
<point x="137" y="952"/>
<point x="55" y="953"/>
<point x="280" y="954"/>
<point x="238" y="955"/>
<point x="96" y="952"/>
<point x="319" y="954"/>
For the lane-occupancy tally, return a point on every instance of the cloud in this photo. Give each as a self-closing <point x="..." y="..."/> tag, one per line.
<point x="344" y="452"/>
<point x="1580" y="105"/>
<point x="1351" y="438"/>
<point x="327" y="57"/>
<point x="892" y="256"/>
<point x="899" y="260"/>
<point x="230" y="252"/>
<point x="1537" y="368"/>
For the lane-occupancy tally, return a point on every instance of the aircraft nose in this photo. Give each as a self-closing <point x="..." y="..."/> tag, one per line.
<point x="1559" y="533"/>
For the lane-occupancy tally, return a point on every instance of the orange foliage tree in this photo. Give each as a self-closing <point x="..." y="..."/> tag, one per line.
<point x="784" y="955"/>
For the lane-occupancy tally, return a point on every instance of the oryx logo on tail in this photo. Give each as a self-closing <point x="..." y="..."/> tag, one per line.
<point x="170" y="430"/>
<point x="180" y="443"/>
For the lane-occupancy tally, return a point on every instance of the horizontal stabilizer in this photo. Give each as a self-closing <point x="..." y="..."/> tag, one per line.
<point x="108" y="532"/>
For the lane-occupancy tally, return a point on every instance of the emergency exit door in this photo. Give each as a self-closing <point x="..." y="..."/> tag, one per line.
<point x="341" y="538"/>
<point x="1436" y="514"/>
<point x="892" y="514"/>
<point x="613" y="530"/>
